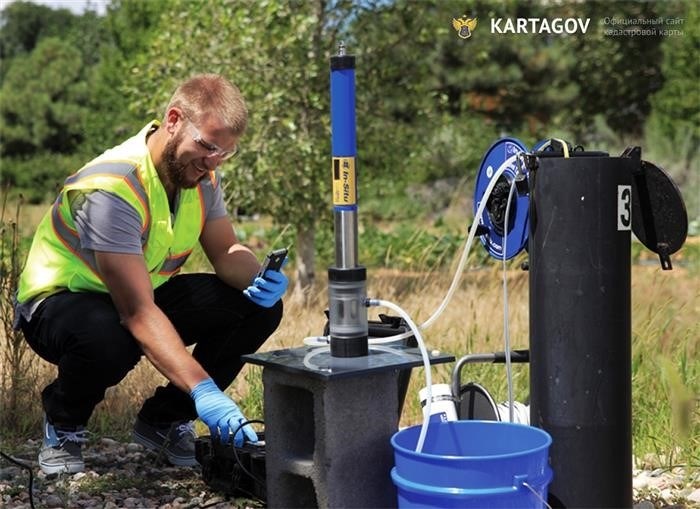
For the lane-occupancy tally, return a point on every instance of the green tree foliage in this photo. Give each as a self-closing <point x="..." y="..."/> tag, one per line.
<point x="614" y="75"/>
<point x="42" y="101"/>
<point x="447" y="98"/>
<point x="44" y="98"/>
<point x="127" y="30"/>
<point x="673" y="130"/>
<point x="677" y="105"/>
<point x="62" y="99"/>
<point x="24" y="24"/>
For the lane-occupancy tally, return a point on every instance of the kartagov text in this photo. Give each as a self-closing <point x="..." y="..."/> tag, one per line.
<point x="539" y="25"/>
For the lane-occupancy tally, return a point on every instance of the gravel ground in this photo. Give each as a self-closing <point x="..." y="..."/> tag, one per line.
<point x="117" y="475"/>
<point x="123" y="475"/>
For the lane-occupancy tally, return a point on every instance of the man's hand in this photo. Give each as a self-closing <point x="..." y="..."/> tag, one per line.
<point x="221" y="414"/>
<point x="267" y="290"/>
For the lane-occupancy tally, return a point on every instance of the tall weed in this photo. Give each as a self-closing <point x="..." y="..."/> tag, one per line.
<point x="19" y="370"/>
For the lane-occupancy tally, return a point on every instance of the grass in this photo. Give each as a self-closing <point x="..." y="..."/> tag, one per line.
<point x="665" y="343"/>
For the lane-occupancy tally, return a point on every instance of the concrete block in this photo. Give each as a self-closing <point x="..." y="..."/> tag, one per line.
<point x="328" y="440"/>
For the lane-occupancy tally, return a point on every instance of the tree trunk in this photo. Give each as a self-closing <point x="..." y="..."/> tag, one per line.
<point x="306" y="261"/>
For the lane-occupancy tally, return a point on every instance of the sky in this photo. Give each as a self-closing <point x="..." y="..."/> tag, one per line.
<point x="77" y="6"/>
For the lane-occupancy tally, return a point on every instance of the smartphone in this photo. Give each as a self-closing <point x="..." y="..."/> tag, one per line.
<point x="273" y="260"/>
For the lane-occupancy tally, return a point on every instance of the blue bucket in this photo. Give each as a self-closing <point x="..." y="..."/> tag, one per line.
<point x="472" y="464"/>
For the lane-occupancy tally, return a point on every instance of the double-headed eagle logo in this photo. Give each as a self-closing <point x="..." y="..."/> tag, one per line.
<point x="464" y="26"/>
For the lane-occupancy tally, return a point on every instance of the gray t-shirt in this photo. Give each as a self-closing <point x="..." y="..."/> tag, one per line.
<point x="107" y="223"/>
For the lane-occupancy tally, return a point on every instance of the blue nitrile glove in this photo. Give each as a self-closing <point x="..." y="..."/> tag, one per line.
<point x="220" y="413"/>
<point x="266" y="291"/>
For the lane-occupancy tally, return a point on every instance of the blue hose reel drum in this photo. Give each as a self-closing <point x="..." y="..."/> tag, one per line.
<point x="515" y="234"/>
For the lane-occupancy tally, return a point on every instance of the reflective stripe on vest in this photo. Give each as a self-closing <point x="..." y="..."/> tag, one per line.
<point x="70" y="238"/>
<point x="173" y="263"/>
<point x="69" y="235"/>
<point x="130" y="177"/>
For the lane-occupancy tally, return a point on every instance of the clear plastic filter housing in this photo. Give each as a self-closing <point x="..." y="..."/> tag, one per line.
<point x="348" y="312"/>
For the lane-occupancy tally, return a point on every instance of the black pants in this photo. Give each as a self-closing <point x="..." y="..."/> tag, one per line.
<point x="81" y="334"/>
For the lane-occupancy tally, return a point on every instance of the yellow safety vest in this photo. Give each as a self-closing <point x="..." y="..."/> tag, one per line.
<point x="57" y="262"/>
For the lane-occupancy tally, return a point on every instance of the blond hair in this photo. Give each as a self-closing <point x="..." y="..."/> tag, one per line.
<point x="211" y="94"/>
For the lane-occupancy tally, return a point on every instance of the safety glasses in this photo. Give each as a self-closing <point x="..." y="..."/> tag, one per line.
<point x="211" y="148"/>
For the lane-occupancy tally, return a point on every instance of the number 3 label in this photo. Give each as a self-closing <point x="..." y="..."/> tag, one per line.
<point x="624" y="208"/>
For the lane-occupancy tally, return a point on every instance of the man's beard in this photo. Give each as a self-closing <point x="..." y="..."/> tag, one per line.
<point x="174" y="169"/>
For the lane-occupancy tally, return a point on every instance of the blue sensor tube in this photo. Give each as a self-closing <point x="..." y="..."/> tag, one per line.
<point x="343" y="134"/>
<point x="343" y="150"/>
<point x="347" y="293"/>
<point x="343" y="138"/>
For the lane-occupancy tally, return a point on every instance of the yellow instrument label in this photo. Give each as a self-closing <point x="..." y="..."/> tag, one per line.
<point x="344" y="181"/>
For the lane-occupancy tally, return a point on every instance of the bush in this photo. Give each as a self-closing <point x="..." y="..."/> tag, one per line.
<point x="38" y="178"/>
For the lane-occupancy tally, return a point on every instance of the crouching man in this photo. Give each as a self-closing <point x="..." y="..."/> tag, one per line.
<point x="100" y="286"/>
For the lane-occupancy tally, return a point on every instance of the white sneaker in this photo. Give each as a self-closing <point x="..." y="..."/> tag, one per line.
<point x="61" y="449"/>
